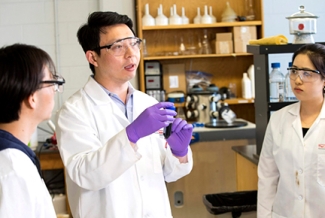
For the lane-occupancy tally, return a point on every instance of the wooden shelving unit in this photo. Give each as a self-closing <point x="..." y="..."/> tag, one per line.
<point x="225" y="68"/>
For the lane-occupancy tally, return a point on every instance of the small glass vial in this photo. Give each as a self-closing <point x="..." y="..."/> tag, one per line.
<point x="168" y="130"/>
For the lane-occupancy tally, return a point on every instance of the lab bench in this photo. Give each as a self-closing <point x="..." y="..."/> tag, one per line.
<point x="246" y="167"/>
<point x="214" y="169"/>
<point x="50" y="159"/>
<point x="222" y="134"/>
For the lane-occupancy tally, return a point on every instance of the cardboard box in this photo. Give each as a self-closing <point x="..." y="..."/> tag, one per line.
<point x="242" y="35"/>
<point x="240" y="46"/>
<point x="174" y="78"/>
<point x="224" y="43"/>
<point x="244" y="32"/>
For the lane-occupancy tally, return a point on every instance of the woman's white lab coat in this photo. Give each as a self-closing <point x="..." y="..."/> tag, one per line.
<point x="106" y="177"/>
<point x="291" y="167"/>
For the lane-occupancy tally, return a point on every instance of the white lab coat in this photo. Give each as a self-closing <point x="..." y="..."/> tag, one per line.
<point x="291" y="168"/>
<point x="106" y="177"/>
<point x="23" y="193"/>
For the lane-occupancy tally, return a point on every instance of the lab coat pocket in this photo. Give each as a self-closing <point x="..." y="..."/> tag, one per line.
<point x="156" y="155"/>
<point x="274" y="215"/>
<point x="150" y="152"/>
<point x="321" y="169"/>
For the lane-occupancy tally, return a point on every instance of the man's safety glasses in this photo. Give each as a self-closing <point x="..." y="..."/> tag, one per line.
<point x="120" y="46"/>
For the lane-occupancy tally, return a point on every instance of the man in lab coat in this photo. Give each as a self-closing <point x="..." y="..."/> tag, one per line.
<point x="28" y="83"/>
<point x="116" y="162"/>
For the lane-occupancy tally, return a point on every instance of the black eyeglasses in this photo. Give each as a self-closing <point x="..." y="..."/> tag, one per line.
<point x="120" y="46"/>
<point x="306" y="75"/>
<point x="57" y="83"/>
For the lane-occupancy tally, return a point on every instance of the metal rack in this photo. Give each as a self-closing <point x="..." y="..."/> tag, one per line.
<point x="263" y="106"/>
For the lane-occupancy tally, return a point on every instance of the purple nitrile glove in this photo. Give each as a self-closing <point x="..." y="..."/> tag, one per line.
<point x="150" y="120"/>
<point x="180" y="137"/>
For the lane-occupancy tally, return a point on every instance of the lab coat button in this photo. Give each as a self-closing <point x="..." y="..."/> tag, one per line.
<point x="142" y="178"/>
<point x="300" y="197"/>
<point x="300" y="171"/>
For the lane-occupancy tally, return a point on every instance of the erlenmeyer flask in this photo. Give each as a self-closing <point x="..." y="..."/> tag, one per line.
<point x="249" y="10"/>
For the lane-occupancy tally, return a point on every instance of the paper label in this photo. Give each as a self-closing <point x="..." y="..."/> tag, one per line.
<point x="173" y="82"/>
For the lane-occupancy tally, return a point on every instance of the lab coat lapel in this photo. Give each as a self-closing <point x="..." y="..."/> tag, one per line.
<point x="296" y="123"/>
<point x="102" y="100"/>
<point x="319" y="119"/>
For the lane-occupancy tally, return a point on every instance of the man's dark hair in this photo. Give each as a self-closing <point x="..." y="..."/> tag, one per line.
<point x="89" y="33"/>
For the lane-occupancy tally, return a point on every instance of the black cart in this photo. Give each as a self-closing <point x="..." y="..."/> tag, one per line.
<point x="234" y="202"/>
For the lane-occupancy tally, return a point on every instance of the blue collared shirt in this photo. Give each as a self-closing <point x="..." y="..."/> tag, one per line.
<point x="126" y="108"/>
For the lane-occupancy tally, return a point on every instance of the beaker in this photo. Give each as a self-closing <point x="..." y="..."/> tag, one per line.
<point x="191" y="45"/>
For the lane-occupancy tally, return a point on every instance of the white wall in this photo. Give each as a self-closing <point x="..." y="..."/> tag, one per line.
<point x="52" y="25"/>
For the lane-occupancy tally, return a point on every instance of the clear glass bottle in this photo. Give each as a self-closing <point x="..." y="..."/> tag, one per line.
<point x="206" y="48"/>
<point x="144" y="48"/>
<point x="276" y="84"/>
<point x="289" y="96"/>
<point x="249" y="10"/>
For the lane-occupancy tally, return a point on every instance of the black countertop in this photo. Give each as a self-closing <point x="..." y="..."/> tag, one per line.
<point x="221" y="134"/>
<point x="247" y="151"/>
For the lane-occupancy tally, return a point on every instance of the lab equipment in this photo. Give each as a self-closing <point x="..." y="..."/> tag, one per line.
<point x="302" y="25"/>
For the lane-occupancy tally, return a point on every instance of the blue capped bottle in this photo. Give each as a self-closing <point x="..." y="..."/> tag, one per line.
<point x="289" y="96"/>
<point x="276" y="84"/>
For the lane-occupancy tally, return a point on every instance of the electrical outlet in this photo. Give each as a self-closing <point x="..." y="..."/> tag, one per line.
<point x="178" y="199"/>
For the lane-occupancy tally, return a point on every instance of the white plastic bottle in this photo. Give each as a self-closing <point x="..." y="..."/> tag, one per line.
<point x="33" y="143"/>
<point x="251" y="75"/>
<point x="276" y="84"/>
<point x="289" y="96"/>
<point x="246" y="87"/>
